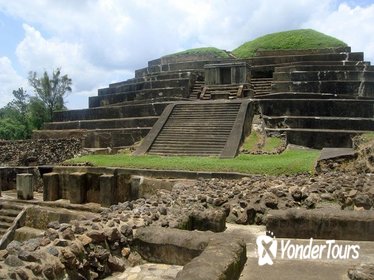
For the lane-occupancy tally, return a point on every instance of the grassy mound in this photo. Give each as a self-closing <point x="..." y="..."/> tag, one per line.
<point x="288" y="40"/>
<point x="208" y="51"/>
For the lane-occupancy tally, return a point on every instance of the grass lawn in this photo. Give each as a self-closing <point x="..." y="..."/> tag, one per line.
<point x="289" y="162"/>
<point x="272" y="143"/>
<point x="201" y="51"/>
<point x="253" y="143"/>
<point x="293" y="39"/>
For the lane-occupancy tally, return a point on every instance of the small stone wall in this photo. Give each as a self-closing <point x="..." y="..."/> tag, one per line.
<point x="38" y="152"/>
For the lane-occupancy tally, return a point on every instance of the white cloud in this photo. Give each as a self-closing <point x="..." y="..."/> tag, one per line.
<point x="39" y="54"/>
<point x="353" y="25"/>
<point x="9" y="81"/>
<point x="102" y="41"/>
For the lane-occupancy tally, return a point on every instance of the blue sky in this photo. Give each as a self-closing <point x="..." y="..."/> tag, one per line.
<point x="97" y="42"/>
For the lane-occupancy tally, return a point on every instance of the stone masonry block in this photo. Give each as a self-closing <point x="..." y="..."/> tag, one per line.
<point x="77" y="187"/>
<point x="25" y="186"/>
<point x="107" y="190"/>
<point x="51" y="186"/>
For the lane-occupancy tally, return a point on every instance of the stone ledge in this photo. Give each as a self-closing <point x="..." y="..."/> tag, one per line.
<point x="204" y="255"/>
<point x="322" y="224"/>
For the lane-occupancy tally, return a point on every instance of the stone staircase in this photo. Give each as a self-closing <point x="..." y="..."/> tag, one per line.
<point x="223" y="92"/>
<point x="260" y="86"/>
<point x="8" y="213"/>
<point x="196" y="129"/>
<point x="196" y="90"/>
<point x="199" y="129"/>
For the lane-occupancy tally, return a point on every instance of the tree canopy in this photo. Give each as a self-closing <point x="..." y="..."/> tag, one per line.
<point x="26" y="113"/>
<point x="51" y="90"/>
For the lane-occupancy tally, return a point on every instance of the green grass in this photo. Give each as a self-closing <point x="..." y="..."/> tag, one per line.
<point x="369" y="136"/>
<point x="250" y="143"/>
<point x="272" y="143"/>
<point x="253" y="143"/>
<point x="289" y="162"/>
<point x="293" y="39"/>
<point x="201" y="51"/>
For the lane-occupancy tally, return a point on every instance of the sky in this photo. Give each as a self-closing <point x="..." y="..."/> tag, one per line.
<point x="97" y="42"/>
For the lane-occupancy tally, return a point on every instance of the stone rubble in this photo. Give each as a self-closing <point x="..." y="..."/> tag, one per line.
<point x="38" y="152"/>
<point x="99" y="247"/>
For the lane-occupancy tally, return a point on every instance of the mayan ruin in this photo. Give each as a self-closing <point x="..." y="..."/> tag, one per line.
<point x="250" y="163"/>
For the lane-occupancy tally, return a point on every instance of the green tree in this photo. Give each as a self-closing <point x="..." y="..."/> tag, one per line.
<point x="37" y="113"/>
<point x="20" y="104"/>
<point x="11" y="129"/>
<point x="51" y="90"/>
<point x="14" y="122"/>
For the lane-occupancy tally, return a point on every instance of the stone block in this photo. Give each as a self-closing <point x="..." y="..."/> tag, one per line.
<point x="77" y="188"/>
<point x="25" y="186"/>
<point x="123" y="188"/>
<point x="136" y="182"/>
<point x="107" y="190"/>
<point x="204" y="255"/>
<point x="321" y="224"/>
<point x="51" y="186"/>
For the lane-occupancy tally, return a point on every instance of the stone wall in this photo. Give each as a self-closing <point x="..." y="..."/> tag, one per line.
<point x="38" y="152"/>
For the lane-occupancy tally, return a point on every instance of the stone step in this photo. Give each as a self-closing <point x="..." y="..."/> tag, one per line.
<point x="324" y="76"/>
<point x="111" y="112"/>
<point x="318" y="107"/>
<point x="181" y="66"/>
<point x="98" y="138"/>
<point x="357" y="68"/>
<point x="156" y="77"/>
<point x="2" y="232"/>
<point x="319" y="138"/>
<point x="200" y="149"/>
<point x="103" y="124"/>
<point x="6" y="219"/>
<point x="206" y="110"/>
<point x="181" y="153"/>
<point x="146" y="94"/>
<point x="196" y="135"/>
<point x="5" y="225"/>
<point x="210" y="105"/>
<point x="206" y="116"/>
<point x="145" y="85"/>
<point x="261" y="70"/>
<point x="203" y="124"/>
<point x="360" y="124"/>
<point x="189" y="145"/>
<point x="202" y="120"/>
<point x="9" y="212"/>
<point x="262" y="53"/>
<point x="13" y="206"/>
<point x="194" y="141"/>
<point x="356" y="88"/>
<point x="268" y="60"/>
<point x="308" y="95"/>
<point x="214" y="127"/>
